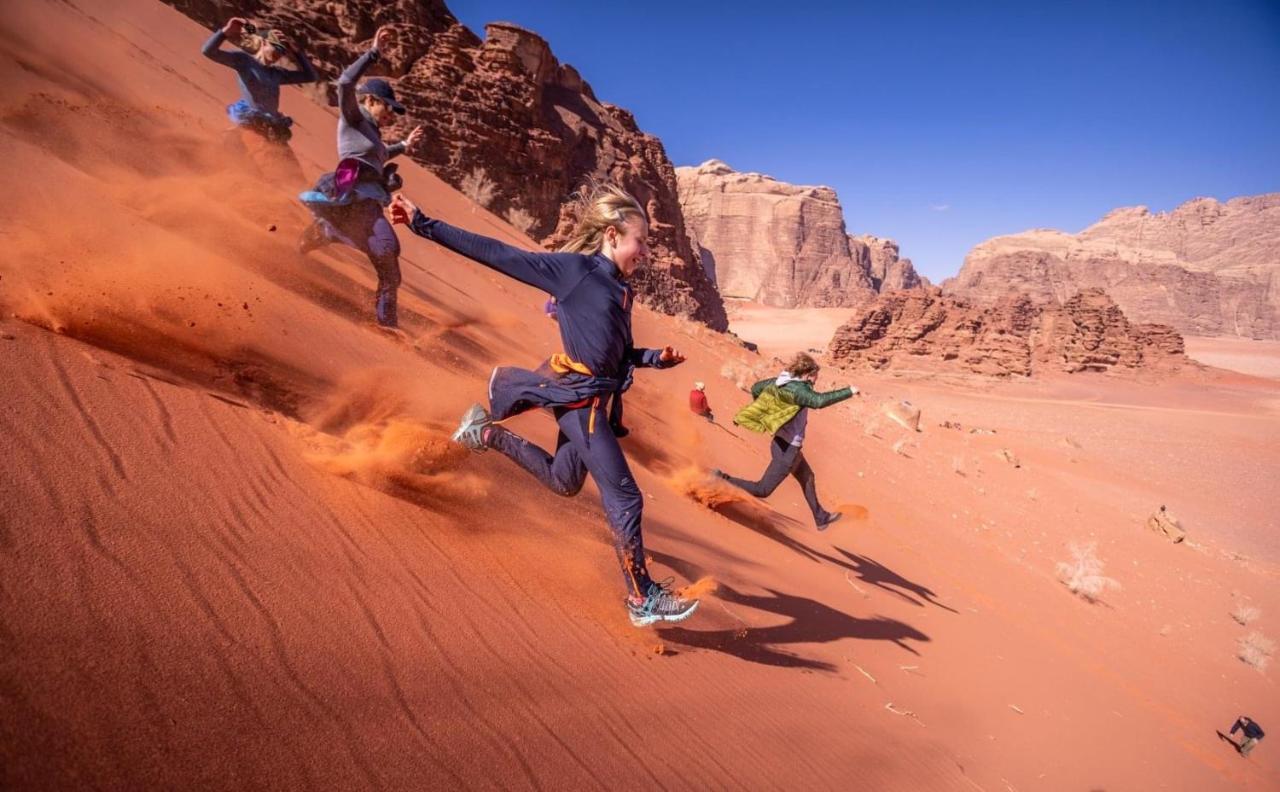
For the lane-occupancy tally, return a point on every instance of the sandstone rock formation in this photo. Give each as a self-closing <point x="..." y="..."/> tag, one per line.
<point x="505" y="122"/>
<point x="1206" y="268"/>
<point x="887" y="271"/>
<point x="783" y="244"/>
<point x="924" y="329"/>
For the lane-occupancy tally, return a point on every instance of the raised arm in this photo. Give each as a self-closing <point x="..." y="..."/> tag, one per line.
<point x="212" y="49"/>
<point x="553" y="273"/>
<point x="759" y="387"/>
<point x="305" y="73"/>
<point x="347" y="101"/>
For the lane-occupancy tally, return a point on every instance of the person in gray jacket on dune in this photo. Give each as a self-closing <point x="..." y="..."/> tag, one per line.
<point x="348" y="203"/>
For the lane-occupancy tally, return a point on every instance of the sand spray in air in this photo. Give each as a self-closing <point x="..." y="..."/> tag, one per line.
<point x="370" y="434"/>
<point x="697" y="485"/>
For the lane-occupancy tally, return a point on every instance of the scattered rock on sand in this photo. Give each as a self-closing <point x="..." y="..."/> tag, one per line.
<point x="1008" y="456"/>
<point x="903" y="413"/>
<point x="1165" y="523"/>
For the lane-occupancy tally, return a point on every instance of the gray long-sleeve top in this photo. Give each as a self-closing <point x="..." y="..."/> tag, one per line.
<point x="358" y="134"/>
<point x="259" y="84"/>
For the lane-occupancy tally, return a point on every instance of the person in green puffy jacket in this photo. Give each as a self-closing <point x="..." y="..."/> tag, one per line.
<point x="781" y="405"/>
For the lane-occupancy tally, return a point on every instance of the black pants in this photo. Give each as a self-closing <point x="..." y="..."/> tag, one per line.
<point x="363" y="226"/>
<point x="787" y="460"/>
<point x="580" y="451"/>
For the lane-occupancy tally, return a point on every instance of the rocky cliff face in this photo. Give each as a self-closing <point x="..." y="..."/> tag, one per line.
<point x="1018" y="335"/>
<point x="506" y="123"/>
<point x="1206" y="268"/>
<point x="783" y="244"/>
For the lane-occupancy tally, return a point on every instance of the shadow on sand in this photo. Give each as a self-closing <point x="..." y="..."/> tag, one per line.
<point x="772" y="525"/>
<point x="809" y="621"/>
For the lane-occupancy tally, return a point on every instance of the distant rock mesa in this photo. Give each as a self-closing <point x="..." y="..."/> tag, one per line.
<point x="782" y="244"/>
<point x="1205" y="268"/>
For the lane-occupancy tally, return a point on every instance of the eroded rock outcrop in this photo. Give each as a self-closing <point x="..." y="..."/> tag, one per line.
<point x="927" y="330"/>
<point x="1205" y="268"/>
<point x="506" y="123"/>
<point x="783" y="244"/>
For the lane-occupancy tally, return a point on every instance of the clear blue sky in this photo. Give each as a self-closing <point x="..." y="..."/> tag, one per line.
<point x="942" y="124"/>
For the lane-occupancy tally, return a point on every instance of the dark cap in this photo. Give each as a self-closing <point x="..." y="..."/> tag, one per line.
<point x="381" y="89"/>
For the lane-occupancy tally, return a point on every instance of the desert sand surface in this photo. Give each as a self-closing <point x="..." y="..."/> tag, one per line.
<point x="238" y="552"/>
<point x="1259" y="358"/>
<point x="778" y="331"/>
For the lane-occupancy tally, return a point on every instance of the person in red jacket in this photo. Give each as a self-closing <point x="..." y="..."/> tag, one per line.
<point x="698" y="401"/>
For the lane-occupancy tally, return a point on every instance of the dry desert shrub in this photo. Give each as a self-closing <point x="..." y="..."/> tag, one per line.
<point x="519" y="219"/>
<point x="478" y="187"/>
<point x="1255" y="649"/>
<point x="1245" y="613"/>
<point x="1082" y="575"/>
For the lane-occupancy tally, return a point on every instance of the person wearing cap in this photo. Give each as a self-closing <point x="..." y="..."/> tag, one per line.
<point x="352" y="198"/>
<point x="698" y="401"/>
<point x="257" y="113"/>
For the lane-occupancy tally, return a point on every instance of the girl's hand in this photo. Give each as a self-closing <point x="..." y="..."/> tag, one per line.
<point x="382" y="38"/>
<point x="402" y="210"/>
<point x="413" y="137"/>
<point x="671" y="356"/>
<point x="234" y="26"/>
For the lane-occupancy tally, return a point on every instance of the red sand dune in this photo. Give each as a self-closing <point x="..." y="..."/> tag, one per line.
<point x="237" y="552"/>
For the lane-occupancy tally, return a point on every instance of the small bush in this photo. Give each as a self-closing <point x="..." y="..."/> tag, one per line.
<point x="1255" y="649"/>
<point x="519" y="219"/>
<point x="478" y="187"/>
<point x="1083" y="574"/>
<point x="1245" y="613"/>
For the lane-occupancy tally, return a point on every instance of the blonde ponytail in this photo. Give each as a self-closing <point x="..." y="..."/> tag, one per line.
<point x="600" y="206"/>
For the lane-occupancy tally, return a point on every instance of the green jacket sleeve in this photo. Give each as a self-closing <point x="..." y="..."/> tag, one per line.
<point x="759" y="387"/>
<point x="806" y="396"/>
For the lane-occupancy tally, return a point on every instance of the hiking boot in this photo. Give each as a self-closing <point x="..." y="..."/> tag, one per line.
<point x="313" y="237"/>
<point x="660" y="604"/>
<point x="832" y="517"/>
<point x="471" y="431"/>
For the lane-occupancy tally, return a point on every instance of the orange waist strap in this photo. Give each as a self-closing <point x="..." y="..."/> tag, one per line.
<point x="561" y="363"/>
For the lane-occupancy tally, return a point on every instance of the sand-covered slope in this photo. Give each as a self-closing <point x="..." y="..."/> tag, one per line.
<point x="237" y="552"/>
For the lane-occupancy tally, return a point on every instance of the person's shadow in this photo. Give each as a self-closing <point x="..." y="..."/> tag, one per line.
<point x="1228" y="740"/>
<point x="810" y="621"/>
<point x="880" y="576"/>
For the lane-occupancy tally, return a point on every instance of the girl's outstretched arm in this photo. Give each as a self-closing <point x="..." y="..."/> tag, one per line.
<point x="553" y="273"/>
